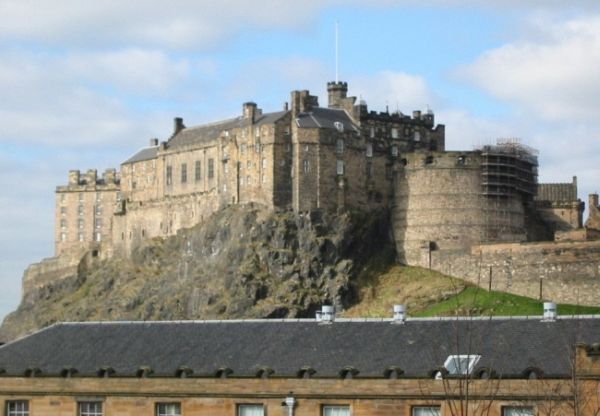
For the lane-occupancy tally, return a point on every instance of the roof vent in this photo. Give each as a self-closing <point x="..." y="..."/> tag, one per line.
<point x="549" y="312"/>
<point x="326" y="315"/>
<point x="399" y="314"/>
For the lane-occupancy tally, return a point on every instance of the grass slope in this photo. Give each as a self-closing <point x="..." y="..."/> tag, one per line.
<point x="429" y="293"/>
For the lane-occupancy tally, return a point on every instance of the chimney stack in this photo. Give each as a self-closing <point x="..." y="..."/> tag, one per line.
<point x="177" y="125"/>
<point x="249" y="111"/>
<point x="153" y="142"/>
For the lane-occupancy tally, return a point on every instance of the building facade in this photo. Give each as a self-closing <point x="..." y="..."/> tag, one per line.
<point x="332" y="367"/>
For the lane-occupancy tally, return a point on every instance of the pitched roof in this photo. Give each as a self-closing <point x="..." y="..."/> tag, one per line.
<point x="556" y="192"/>
<point x="509" y="346"/>
<point x="326" y="118"/>
<point x="147" y="153"/>
<point x="208" y="132"/>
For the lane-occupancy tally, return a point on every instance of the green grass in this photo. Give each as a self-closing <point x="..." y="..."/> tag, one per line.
<point x="480" y="302"/>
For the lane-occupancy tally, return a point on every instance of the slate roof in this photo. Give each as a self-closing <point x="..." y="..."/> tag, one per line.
<point x="208" y="132"/>
<point x="556" y="192"/>
<point x="320" y="117"/>
<point x="147" y="153"/>
<point x="509" y="346"/>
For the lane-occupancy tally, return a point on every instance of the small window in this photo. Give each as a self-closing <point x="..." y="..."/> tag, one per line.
<point x="251" y="410"/>
<point x="169" y="175"/>
<point x="306" y="148"/>
<point x="17" y="408"/>
<point x="63" y="223"/>
<point x="168" y="409"/>
<point x="287" y="130"/>
<point x="80" y="223"/>
<point x="242" y="148"/>
<point x="336" y="410"/>
<point x="461" y="363"/>
<point x="426" y="411"/>
<point x="369" y="150"/>
<point x="80" y="209"/>
<point x="339" y="126"/>
<point x="183" y="172"/>
<point x="263" y="178"/>
<point x="372" y="132"/>
<point x="63" y="197"/>
<point x="211" y="168"/>
<point x="429" y="160"/>
<point x="417" y="136"/>
<point x="288" y="147"/>
<point x="63" y="237"/>
<point x="340" y="167"/>
<point x="80" y="197"/>
<point x="306" y="166"/>
<point x="394" y="133"/>
<point x="98" y="237"/>
<point x="339" y="146"/>
<point x="249" y="164"/>
<point x="98" y="210"/>
<point x="98" y="222"/>
<point x="198" y="170"/>
<point x="517" y="411"/>
<point x="63" y="210"/>
<point x="90" y="408"/>
<point x="225" y="167"/>
<point x="394" y="151"/>
<point x="264" y="163"/>
<point x="81" y="237"/>
<point x="248" y="180"/>
<point x="98" y="196"/>
<point x="369" y="170"/>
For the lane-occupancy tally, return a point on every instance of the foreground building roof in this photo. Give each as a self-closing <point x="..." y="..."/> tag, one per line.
<point x="510" y="347"/>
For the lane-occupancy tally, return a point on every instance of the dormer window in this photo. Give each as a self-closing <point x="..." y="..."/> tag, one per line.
<point x="461" y="364"/>
<point x="339" y="126"/>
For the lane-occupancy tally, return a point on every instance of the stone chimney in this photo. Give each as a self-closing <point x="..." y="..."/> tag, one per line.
<point x="593" y="201"/>
<point x="74" y="177"/>
<point x="153" y="142"/>
<point x="91" y="176"/>
<point x="249" y="111"/>
<point x="303" y="102"/>
<point x="177" y="125"/>
<point x="109" y="175"/>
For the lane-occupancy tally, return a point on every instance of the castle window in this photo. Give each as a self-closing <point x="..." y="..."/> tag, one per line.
<point x="98" y="210"/>
<point x="306" y="166"/>
<point x="198" y="170"/>
<point x="394" y="133"/>
<point x="98" y="196"/>
<point x="417" y="136"/>
<point x="98" y="222"/>
<point x="288" y="147"/>
<point x="17" y="408"/>
<point x="257" y="132"/>
<point x="80" y="209"/>
<point x="336" y="411"/>
<point x="224" y="190"/>
<point x="407" y="131"/>
<point x="257" y="148"/>
<point x="372" y="132"/>
<point x="98" y="237"/>
<point x="63" y="223"/>
<point x="243" y="149"/>
<point x="394" y="151"/>
<point x="118" y="196"/>
<point x="287" y="130"/>
<point x="81" y="197"/>
<point x="306" y="148"/>
<point x="211" y="168"/>
<point x="248" y="180"/>
<point x="168" y="409"/>
<point x="63" y="197"/>
<point x="133" y="184"/>
<point x="517" y="411"/>
<point x="249" y="164"/>
<point x="340" y="167"/>
<point x="80" y="236"/>
<point x="263" y="178"/>
<point x="369" y="170"/>
<point x="429" y="160"/>
<point x="183" y="172"/>
<point x="426" y="411"/>
<point x="242" y="181"/>
<point x="80" y="223"/>
<point x="339" y="146"/>
<point x="90" y="408"/>
<point x="369" y="150"/>
<point x="63" y="237"/>
<point x="251" y="410"/>
<point x="388" y="172"/>
<point x="169" y="175"/>
<point x="63" y="210"/>
<point x="226" y="167"/>
<point x="264" y="163"/>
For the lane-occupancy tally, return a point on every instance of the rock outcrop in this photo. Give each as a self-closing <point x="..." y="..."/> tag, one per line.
<point x="245" y="261"/>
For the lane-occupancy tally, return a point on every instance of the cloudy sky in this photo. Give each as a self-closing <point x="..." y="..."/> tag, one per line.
<point x="85" y="84"/>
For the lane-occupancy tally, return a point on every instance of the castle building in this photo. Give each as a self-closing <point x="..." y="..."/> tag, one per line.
<point x="327" y="367"/>
<point x="303" y="158"/>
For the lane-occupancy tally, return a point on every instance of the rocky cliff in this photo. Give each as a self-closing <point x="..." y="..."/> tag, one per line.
<point x="245" y="261"/>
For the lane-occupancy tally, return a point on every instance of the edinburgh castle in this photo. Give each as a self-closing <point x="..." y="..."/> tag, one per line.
<point x="480" y="215"/>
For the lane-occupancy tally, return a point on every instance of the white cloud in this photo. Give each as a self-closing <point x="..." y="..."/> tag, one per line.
<point x="554" y="76"/>
<point x="189" y="24"/>
<point x="397" y="90"/>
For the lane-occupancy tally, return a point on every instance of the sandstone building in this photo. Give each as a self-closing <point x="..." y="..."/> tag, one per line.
<point x="332" y="367"/>
<point x="454" y="211"/>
